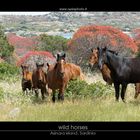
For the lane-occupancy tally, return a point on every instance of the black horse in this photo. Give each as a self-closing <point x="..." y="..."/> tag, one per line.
<point x="124" y="70"/>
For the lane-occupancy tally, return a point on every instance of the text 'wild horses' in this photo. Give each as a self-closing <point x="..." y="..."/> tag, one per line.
<point x="124" y="70"/>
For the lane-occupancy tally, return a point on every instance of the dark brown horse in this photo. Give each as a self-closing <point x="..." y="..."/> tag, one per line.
<point x="39" y="80"/>
<point x="106" y="73"/>
<point x="93" y="60"/>
<point x="124" y="70"/>
<point x="60" y="74"/>
<point x="26" y="82"/>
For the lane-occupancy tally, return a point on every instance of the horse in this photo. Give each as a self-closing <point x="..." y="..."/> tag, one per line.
<point x="26" y="82"/>
<point x="39" y="80"/>
<point x="106" y="73"/>
<point x="93" y="60"/>
<point x="124" y="70"/>
<point x="59" y="74"/>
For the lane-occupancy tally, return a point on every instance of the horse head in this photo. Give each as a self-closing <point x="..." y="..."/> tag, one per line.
<point x="93" y="59"/>
<point x="25" y="71"/>
<point x="61" y="56"/>
<point x="102" y="57"/>
<point x="60" y="64"/>
<point x="102" y="53"/>
<point x="40" y="72"/>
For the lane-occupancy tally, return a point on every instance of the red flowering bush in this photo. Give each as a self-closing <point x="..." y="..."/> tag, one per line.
<point x="92" y="36"/>
<point x="33" y="57"/>
<point x="136" y="37"/>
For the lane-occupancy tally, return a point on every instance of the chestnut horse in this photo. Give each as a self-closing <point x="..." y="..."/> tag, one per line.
<point x="60" y="74"/>
<point x="39" y="80"/>
<point x="93" y="60"/>
<point x="26" y="82"/>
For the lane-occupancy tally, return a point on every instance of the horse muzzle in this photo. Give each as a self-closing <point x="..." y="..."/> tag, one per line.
<point x="100" y="66"/>
<point x="25" y="80"/>
<point x="61" y="74"/>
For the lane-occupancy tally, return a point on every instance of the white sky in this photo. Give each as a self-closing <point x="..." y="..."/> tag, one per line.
<point x="23" y="13"/>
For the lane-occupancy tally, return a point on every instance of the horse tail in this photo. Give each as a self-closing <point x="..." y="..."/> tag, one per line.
<point x="82" y="76"/>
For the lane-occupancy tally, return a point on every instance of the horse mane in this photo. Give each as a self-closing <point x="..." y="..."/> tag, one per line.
<point x="114" y="52"/>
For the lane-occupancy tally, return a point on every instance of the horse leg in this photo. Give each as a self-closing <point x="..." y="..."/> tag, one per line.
<point x="42" y="92"/>
<point x="117" y="89"/>
<point x="53" y="98"/>
<point x="24" y="91"/>
<point x="124" y="86"/>
<point x="59" y="96"/>
<point x="36" y="93"/>
<point x="46" y="91"/>
<point x="61" y="93"/>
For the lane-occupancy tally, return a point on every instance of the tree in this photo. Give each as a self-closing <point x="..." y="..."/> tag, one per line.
<point x="52" y="43"/>
<point x="6" y="50"/>
<point x="92" y="36"/>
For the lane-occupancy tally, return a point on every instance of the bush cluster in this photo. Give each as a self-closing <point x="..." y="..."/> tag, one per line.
<point x="8" y="70"/>
<point x="81" y="89"/>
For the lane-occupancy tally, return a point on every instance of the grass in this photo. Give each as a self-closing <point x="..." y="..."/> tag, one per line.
<point x="14" y="106"/>
<point x="82" y="110"/>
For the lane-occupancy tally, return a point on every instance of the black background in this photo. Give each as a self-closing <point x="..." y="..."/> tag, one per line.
<point x="37" y="128"/>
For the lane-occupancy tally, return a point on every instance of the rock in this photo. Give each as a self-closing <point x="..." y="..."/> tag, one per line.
<point x="14" y="112"/>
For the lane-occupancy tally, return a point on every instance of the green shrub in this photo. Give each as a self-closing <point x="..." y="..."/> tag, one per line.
<point x="76" y="88"/>
<point x="7" y="71"/>
<point x="98" y="89"/>
<point x="1" y="93"/>
<point x="80" y="89"/>
<point x="6" y="49"/>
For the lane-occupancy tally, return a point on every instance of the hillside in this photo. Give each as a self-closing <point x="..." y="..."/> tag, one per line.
<point x="59" y="23"/>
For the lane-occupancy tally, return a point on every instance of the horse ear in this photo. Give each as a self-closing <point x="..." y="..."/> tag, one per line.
<point x="55" y="66"/>
<point x="48" y="64"/>
<point x="104" y="49"/>
<point x="57" y="57"/>
<point x="36" y="65"/>
<point x="92" y="50"/>
<point x="64" y="55"/>
<point x="21" y="66"/>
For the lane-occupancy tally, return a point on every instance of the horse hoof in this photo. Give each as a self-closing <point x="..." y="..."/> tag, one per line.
<point x="124" y="101"/>
<point x="135" y="97"/>
<point x="53" y="99"/>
